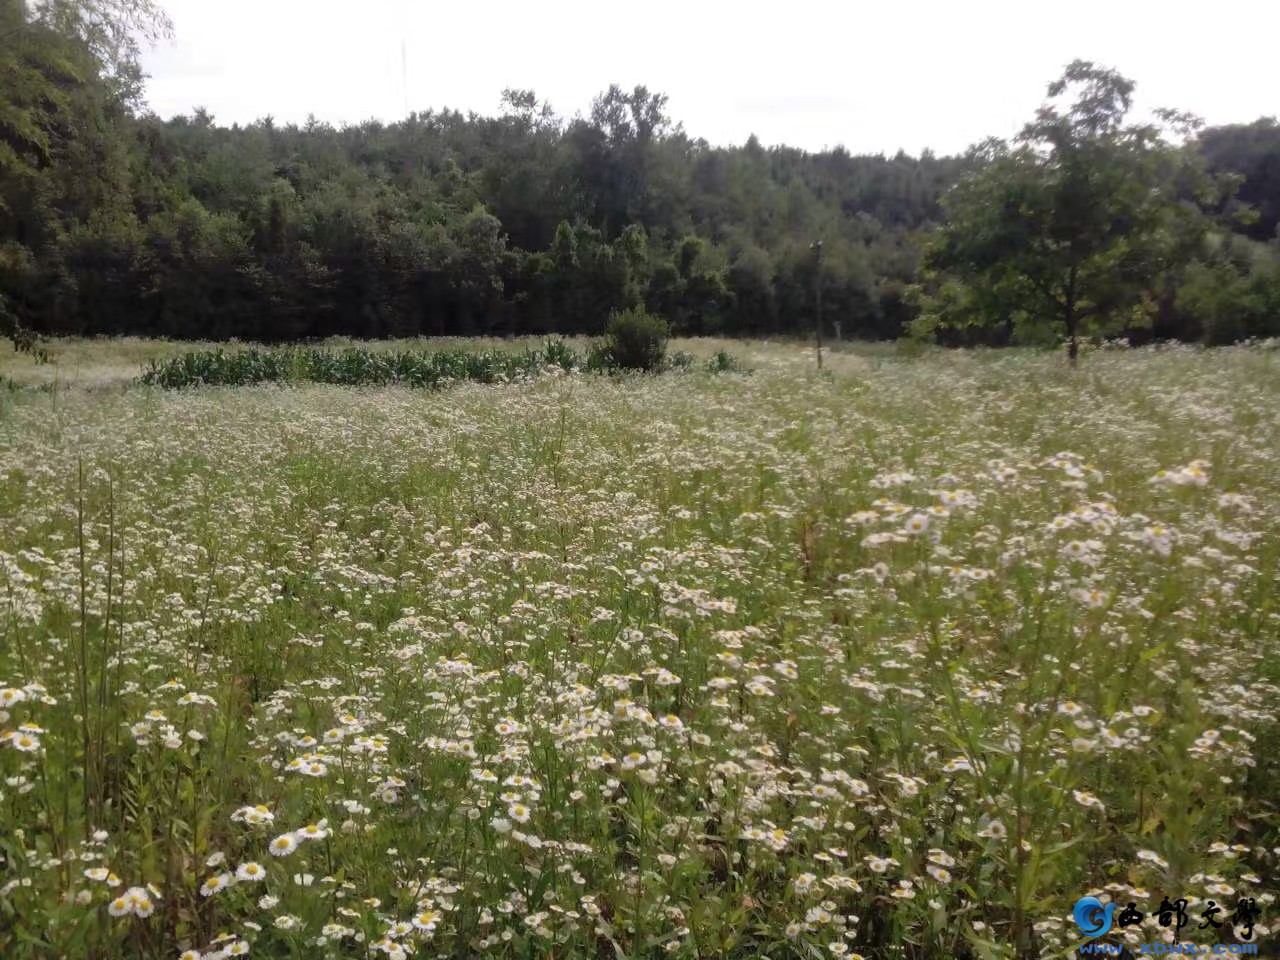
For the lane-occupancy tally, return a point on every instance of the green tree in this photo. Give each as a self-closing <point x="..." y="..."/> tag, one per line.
<point x="67" y="70"/>
<point x="47" y="49"/>
<point x="1233" y="293"/>
<point x="1066" y="230"/>
<point x="749" y="283"/>
<point x="1253" y="152"/>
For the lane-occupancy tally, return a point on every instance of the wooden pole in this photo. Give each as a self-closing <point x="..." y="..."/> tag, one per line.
<point x="817" y="292"/>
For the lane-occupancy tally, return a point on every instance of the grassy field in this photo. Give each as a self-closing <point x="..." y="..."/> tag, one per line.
<point x="896" y="660"/>
<point x="97" y="364"/>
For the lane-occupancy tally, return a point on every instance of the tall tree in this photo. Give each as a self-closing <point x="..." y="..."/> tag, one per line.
<point x="67" y="70"/>
<point x="1068" y="228"/>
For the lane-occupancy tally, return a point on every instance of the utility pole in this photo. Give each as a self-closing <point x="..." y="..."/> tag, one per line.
<point x="817" y="293"/>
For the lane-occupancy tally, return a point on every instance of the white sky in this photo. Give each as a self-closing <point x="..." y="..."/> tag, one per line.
<point x="874" y="77"/>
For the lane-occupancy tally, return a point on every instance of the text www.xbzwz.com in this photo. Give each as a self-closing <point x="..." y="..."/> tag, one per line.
<point x="1115" y="949"/>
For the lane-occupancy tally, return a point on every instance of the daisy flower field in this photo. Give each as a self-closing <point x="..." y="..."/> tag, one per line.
<point x="899" y="659"/>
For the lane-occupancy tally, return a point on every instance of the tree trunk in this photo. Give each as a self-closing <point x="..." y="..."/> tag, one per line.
<point x="1072" y="321"/>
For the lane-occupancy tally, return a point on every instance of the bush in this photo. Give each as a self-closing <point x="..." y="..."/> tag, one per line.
<point x="636" y="340"/>
<point x="723" y="362"/>
<point x="560" y="354"/>
<point x="599" y="360"/>
<point x="681" y="361"/>
<point x="1229" y="304"/>
<point x="909" y="348"/>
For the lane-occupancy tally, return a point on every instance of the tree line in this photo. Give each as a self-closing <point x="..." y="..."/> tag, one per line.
<point x="115" y="221"/>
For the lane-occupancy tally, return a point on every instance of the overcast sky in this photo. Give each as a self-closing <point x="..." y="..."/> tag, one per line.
<point x="874" y="77"/>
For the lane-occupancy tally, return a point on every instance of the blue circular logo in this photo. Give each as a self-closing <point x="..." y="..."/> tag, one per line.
<point x="1092" y="917"/>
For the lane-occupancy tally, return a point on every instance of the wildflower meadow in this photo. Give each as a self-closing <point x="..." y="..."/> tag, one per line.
<point x="896" y="659"/>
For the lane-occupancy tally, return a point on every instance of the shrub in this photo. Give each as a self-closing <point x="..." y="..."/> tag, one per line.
<point x="909" y="348"/>
<point x="560" y="354"/>
<point x="723" y="362"/>
<point x="1230" y="304"/>
<point x="598" y="357"/>
<point x="681" y="361"/>
<point x="636" y="340"/>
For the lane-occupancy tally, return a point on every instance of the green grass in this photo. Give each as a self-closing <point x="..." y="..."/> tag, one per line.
<point x="899" y="659"/>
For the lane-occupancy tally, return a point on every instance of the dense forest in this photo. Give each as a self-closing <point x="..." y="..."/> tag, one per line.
<point x="113" y="220"/>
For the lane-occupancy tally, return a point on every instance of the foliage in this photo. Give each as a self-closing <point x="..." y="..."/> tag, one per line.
<point x="680" y="360"/>
<point x="1070" y="229"/>
<point x="358" y="366"/>
<point x="443" y="224"/>
<point x="1251" y="152"/>
<point x="636" y="340"/>
<point x="114" y="221"/>
<point x="1235" y="295"/>
<point x="724" y="362"/>
<point x="352" y="367"/>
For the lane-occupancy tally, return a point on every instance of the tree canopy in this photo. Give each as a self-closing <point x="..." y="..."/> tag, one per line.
<point x="115" y="221"/>
<point x="1075" y="225"/>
